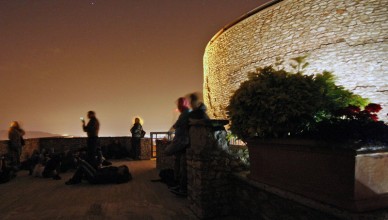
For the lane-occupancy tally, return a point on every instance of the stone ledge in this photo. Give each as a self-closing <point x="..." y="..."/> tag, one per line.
<point x="309" y="203"/>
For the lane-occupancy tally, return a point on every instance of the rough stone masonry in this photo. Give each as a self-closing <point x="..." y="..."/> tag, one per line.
<point x="347" y="37"/>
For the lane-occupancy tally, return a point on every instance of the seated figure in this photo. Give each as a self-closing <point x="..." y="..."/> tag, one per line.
<point x="102" y="175"/>
<point x="47" y="167"/>
<point x="6" y="173"/>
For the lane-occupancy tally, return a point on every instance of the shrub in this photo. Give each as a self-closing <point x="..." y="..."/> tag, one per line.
<point x="273" y="103"/>
<point x="276" y="103"/>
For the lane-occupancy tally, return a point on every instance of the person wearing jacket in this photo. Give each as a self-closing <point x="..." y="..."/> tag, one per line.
<point x="137" y="133"/>
<point x="178" y="147"/>
<point x="198" y="108"/>
<point x="198" y="112"/>
<point x="16" y="142"/>
<point x="94" y="154"/>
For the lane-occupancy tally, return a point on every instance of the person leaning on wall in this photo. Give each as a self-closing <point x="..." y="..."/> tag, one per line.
<point x="178" y="147"/>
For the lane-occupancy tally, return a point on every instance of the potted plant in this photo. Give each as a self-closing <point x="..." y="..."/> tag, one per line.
<point x="307" y="135"/>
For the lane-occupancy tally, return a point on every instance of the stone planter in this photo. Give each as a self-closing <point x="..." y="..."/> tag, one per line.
<point x="352" y="179"/>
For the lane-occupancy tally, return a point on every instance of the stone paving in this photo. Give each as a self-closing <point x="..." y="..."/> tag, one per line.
<point x="27" y="197"/>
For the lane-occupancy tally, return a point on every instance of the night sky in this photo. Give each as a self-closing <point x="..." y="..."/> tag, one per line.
<point x="120" y="58"/>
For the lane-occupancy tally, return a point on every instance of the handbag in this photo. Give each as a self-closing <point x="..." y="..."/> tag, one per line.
<point x="142" y="133"/>
<point x="22" y="141"/>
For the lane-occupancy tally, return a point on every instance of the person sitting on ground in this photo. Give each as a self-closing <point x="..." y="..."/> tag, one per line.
<point x="114" y="150"/>
<point x="69" y="161"/>
<point x="6" y="174"/>
<point x="103" y="175"/>
<point x="82" y="153"/>
<point x="48" y="166"/>
<point x="31" y="161"/>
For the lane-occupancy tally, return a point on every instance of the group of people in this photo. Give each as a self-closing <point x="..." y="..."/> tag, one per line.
<point x="91" y="165"/>
<point x="91" y="168"/>
<point x="181" y="140"/>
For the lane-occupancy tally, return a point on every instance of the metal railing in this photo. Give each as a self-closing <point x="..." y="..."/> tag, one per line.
<point x="159" y="136"/>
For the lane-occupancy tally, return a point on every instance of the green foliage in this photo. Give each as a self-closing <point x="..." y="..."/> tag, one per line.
<point x="277" y="103"/>
<point x="273" y="103"/>
<point x="335" y="97"/>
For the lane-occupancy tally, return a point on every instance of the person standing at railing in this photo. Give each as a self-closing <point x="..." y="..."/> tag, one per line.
<point x="137" y="133"/>
<point x="94" y="154"/>
<point x="16" y="142"/>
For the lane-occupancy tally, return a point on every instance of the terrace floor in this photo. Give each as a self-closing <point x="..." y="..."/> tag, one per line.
<point x="27" y="197"/>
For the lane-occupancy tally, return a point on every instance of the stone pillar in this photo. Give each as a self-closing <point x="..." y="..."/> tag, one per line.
<point x="145" y="148"/>
<point x="208" y="171"/>
<point x="163" y="161"/>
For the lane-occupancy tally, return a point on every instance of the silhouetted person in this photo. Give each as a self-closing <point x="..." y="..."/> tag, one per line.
<point x="93" y="152"/>
<point x="197" y="113"/>
<point x="69" y="161"/>
<point x="178" y="146"/>
<point x="16" y="142"/>
<point x="198" y="108"/>
<point x="6" y="174"/>
<point x="114" y="150"/>
<point x="137" y="133"/>
<point x="103" y="175"/>
<point x="48" y="166"/>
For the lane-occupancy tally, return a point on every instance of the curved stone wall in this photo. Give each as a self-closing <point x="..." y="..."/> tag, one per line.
<point x="348" y="37"/>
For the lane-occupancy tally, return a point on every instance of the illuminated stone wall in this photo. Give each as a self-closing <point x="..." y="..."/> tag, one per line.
<point x="348" y="37"/>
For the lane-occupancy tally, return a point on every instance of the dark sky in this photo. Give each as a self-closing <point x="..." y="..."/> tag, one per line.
<point x="121" y="58"/>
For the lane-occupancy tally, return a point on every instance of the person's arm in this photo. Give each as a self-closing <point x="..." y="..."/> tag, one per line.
<point x="92" y="126"/>
<point x="84" y="126"/>
<point x="182" y="120"/>
<point x="22" y="132"/>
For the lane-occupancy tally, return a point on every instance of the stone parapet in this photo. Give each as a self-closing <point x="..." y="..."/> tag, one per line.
<point x="208" y="170"/>
<point x="162" y="161"/>
<point x="61" y="144"/>
<point x="253" y="200"/>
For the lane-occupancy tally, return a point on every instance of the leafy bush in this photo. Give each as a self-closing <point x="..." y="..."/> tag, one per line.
<point x="276" y="103"/>
<point x="273" y="103"/>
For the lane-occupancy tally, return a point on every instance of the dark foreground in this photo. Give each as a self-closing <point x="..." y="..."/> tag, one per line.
<point x="27" y="197"/>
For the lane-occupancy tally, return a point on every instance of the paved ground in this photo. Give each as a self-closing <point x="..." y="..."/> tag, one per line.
<point x="27" y="197"/>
